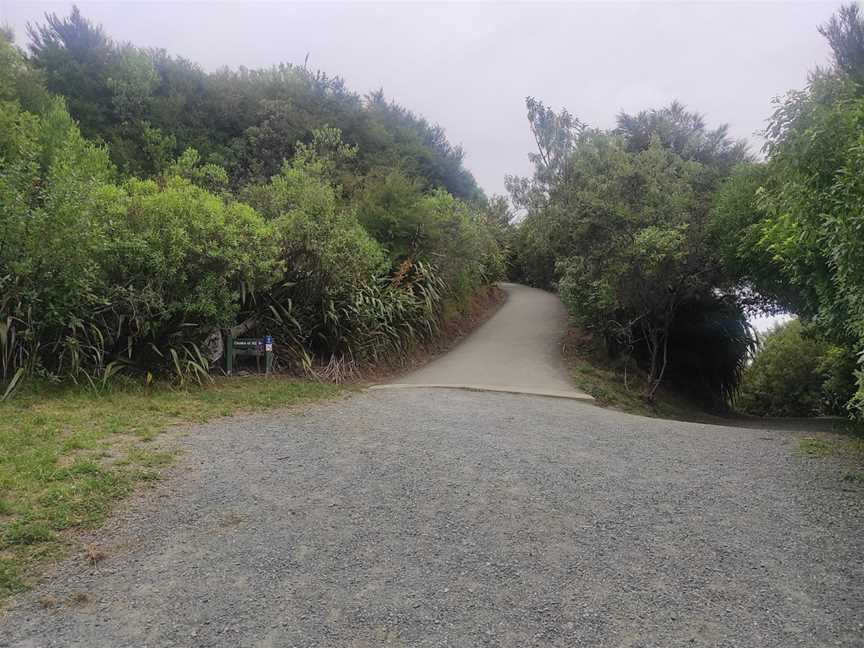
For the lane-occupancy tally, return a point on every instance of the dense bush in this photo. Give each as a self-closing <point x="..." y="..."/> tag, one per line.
<point x="100" y="272"/>
<point x="97" y="272"/>
<point x="661" y="233"/>
<point x="368" y="275"/>
<point x="149" y="107"/>
<point x="796" y="373"/>
<point x="435" y="227"/>
<point x="618" y="222"/>
<point x="792" y="226"/>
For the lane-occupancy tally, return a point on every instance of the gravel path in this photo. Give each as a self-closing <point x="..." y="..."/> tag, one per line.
<point x="454" y="518"/>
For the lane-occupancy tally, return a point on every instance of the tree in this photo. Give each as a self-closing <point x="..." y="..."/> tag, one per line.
<point x="74" y="55"/>
<point x="19" y="81"/>
<point x="150" y="106"/>
<point x="618" y="220"/>
<point x="845" y="34"/>
<point x="795" y="223"/>
<point x="685" y="133"/>
<point x="796" y="372"/>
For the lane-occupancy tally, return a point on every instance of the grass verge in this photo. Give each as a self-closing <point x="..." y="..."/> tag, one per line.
<point x="604" y="379"/>
<point x="67" y="454"/>
<point x="620" y="387"/>
<point x="848" y="447"/>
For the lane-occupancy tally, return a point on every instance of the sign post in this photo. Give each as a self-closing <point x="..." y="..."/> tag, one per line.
<point x="249" y="347"/>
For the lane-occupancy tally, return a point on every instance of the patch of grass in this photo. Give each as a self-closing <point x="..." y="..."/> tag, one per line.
<point x="68" y="454"/>
<point x="855" y="476"/>
<point x="844" y="446"/>
<point x="848" y="447"/>
<point x="618" y="386"/>
<point x="26" y="533"/>
<point x="813" y="447"/>
<point x="149" y="459"/>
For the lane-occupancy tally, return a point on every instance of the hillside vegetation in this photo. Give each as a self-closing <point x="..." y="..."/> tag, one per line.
<point x="148" y="208"/>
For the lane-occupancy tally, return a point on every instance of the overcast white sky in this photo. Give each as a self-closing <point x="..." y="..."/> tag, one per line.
<point x="470" y="66"/>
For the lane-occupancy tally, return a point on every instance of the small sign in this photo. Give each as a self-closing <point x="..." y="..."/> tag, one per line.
<point x="258" y="347"/>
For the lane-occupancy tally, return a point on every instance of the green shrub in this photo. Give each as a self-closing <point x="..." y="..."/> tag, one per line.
<point x="796" y="373"/>
<point x="190" y="248"/>
<point x="95" y="273"/>
<point x="100" y="275"/>
<point x="432" y="228"/>
<point x="337" y="298"/>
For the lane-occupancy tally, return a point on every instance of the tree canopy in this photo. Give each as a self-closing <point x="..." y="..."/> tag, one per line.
<point x="618" y="221"/>
<point x="150" y="106"/>
<point x="794" y="224"/>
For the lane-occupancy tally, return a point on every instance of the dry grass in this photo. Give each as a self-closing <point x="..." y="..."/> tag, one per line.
<point x="94" y="554"/>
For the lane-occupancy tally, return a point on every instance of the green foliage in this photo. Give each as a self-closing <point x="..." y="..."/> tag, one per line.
<point x="796" y="373"/>
<point x="210" y="177"/>
<point x="783" y="379"/>
<point x="686" y="134"/>
<point x="102" y="273"/>
<point x="344" y="301"/>
<point x="18" y="80"/>
<point x="844" y="32"/>
<point x="452" y="236"/>
<point x="95" y="272"/>
<point x="325" y="255"/>
<point x="793" y="225"/>
<point x="191" y="249"/>
<point x="738" y="237"/>
<point x="388" y="317"/>
<point x="150" y="106"/>
<point x="618" y="221"/>
<point x="434" y="227"/>
<point x="387" y="208"/>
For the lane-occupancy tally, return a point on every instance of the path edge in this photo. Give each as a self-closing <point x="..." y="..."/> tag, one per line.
<point x="549" y="393"/>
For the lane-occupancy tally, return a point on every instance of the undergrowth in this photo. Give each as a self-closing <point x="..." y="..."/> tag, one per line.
<point x="619" y="385"/>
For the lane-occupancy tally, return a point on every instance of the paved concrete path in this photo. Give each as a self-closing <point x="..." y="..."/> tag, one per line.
<point x="517" y="351"/>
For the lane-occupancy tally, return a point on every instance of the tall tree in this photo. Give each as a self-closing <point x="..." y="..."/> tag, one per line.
<point x="148" y="105"/>
<point x="618" y="220"/>
<point x="795" y="223"/>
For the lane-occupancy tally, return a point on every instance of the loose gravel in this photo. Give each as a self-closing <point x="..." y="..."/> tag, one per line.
<point x="449" y="518"/>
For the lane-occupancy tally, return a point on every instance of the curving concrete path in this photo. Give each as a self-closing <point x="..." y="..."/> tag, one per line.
<point x="516" y="351"/>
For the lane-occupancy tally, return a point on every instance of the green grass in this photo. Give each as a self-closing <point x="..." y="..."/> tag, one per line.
<point x="604" y="379"/>
<point x="68" y="454"/>
<point x="813" y="447"/>
<point x="854" y="476"/>
<point x="846" y="446"/>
